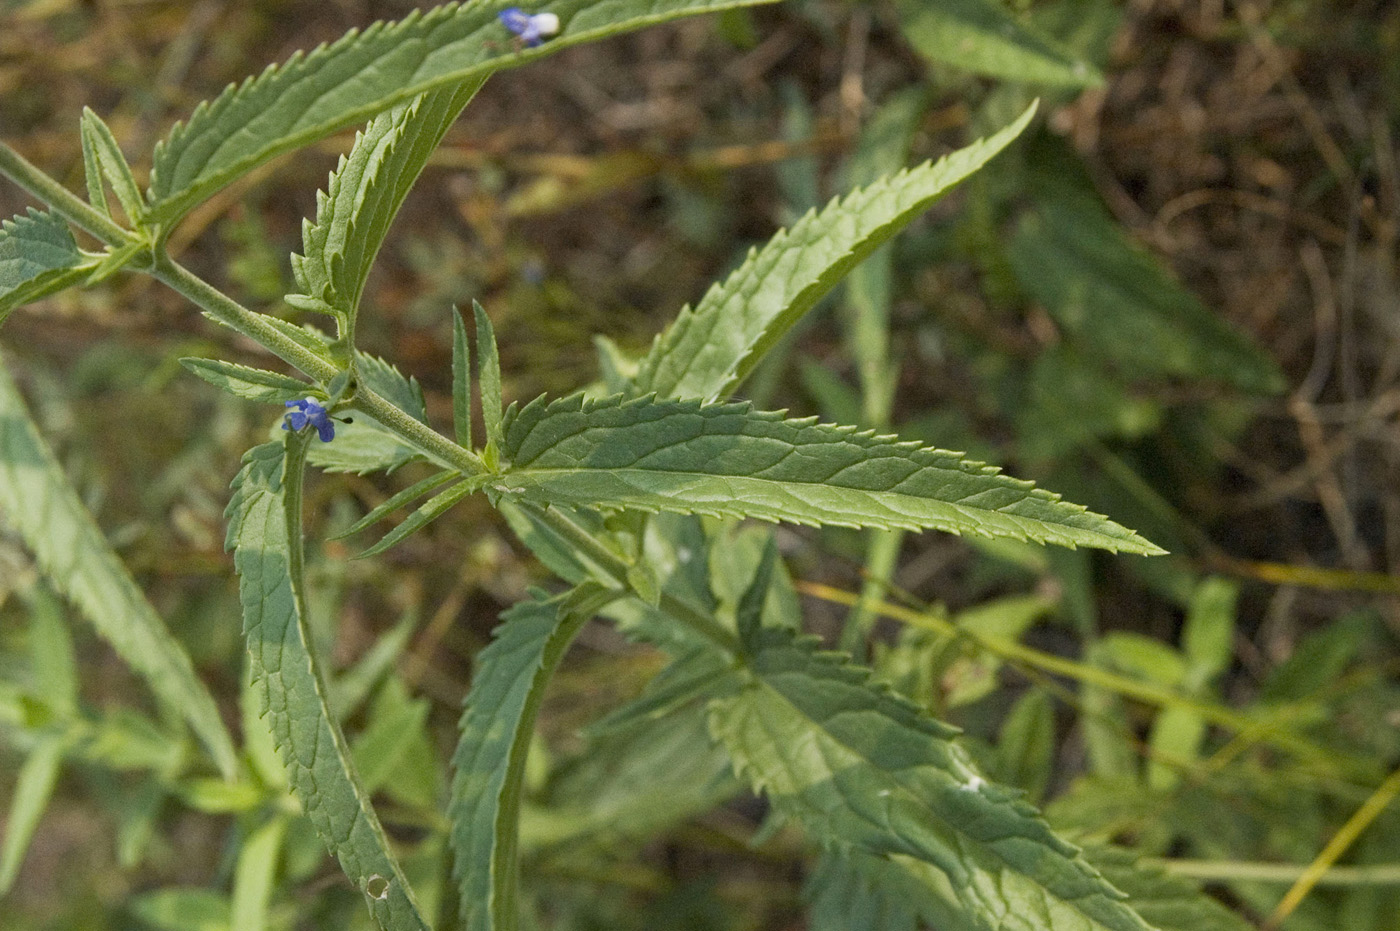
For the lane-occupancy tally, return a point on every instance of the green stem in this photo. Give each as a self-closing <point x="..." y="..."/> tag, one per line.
<point x="255" y="326"/>
<point x="239" y="318"/>
<point x="616" y="567"/>
<point x="1387" y="874"/>
<point x="417" y="434"/>
<point x="59" y="199"/>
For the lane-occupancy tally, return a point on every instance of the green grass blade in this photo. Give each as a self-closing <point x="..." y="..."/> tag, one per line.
<point x="38" y="256"/>
<point x="489" y="764"/>
<point x="33" y="788"/>
<point x="38" y="502"/>
<point x="364" y="195"/>
<point x="729" y="460"/>
<point x="856" y="764"/>
<point x="363" y="74"/>
<point x="51" y="653"/>
<point x="254" y="877"/>
<point x="709" y="350"/>
<point x="984" y="37"/>
<point x="265" y="535"/>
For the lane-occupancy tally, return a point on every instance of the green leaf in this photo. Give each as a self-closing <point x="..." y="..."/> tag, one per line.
<point x="1167" y="902"/>
<point x="729" y="460"/>
<point x="102" y="154"/>
<point x="38" y="502"/>
<point x="709" y="350"/>
<point x="265" y="535"/>
<point x="632" y="784"/>
<point x="1026" y="745"/>
<point x="984" y="37"/>
<point x="489" y="764"/>
<point x="488" y="373"/>
<point x="362" y="74"/>
<point x="1208" y="636"/>
<point x="51" y="652"/>
<point x="1115" y="301"/>
<point x="843" y="896"/>
<point x="429" y="512"/>
<point x="365" y="193"/>
<point x="855" y="763"/>
<point x="394" y="502"/>
<point x="254" y="875"/>
<point x="33" y="788"/>
<point x="181" y="909"/>
<point x="248" y="383"/>
<point x="394" y="722"/>
<point x="461" y="383"/>
<point x="38" y="256"/>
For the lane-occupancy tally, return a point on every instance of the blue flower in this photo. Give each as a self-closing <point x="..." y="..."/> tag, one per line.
<point x="532" y="30"/>
<point x="309" y="412"/>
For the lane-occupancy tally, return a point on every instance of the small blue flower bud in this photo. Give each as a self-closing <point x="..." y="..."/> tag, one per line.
<point x="531" y="30"/>
<point x="310" y="412"/>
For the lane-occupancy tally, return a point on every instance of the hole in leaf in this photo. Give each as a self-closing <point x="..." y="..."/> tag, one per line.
<point x="377" y="887"/>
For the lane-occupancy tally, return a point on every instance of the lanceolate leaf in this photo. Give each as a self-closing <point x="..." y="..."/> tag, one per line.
<point x="729" y="460"/>
<point x="365" y="73"/>
<point x="984" y="37"/>
<point x="856" y="764"/>
<point x="488" y="374"/>
<point x="392" y="504"/>
<point x="38" y="256"/>
<point x="37" y="501"/>
<point x="710" y="349"/>
<point x="1116" y="301"/>
<point x="429" y="512"/>
<point x="101" y="154"/>
<point x="265" y="535"/>
<point x="244" y="382"/>
<point x="364" y="195"/>
<point x="511" y="675"/>
<point x="461" y="383"/>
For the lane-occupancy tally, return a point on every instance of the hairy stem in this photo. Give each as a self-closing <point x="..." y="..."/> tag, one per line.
<point x="237" y="317"/>
<point x="59" y="199"/>
<point x="417" y="434"/>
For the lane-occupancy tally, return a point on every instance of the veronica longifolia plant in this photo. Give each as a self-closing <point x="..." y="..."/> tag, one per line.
<point x="864" y="771"/>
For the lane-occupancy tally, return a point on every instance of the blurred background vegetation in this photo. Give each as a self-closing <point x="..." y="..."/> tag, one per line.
<point x="1176" y="301"/>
